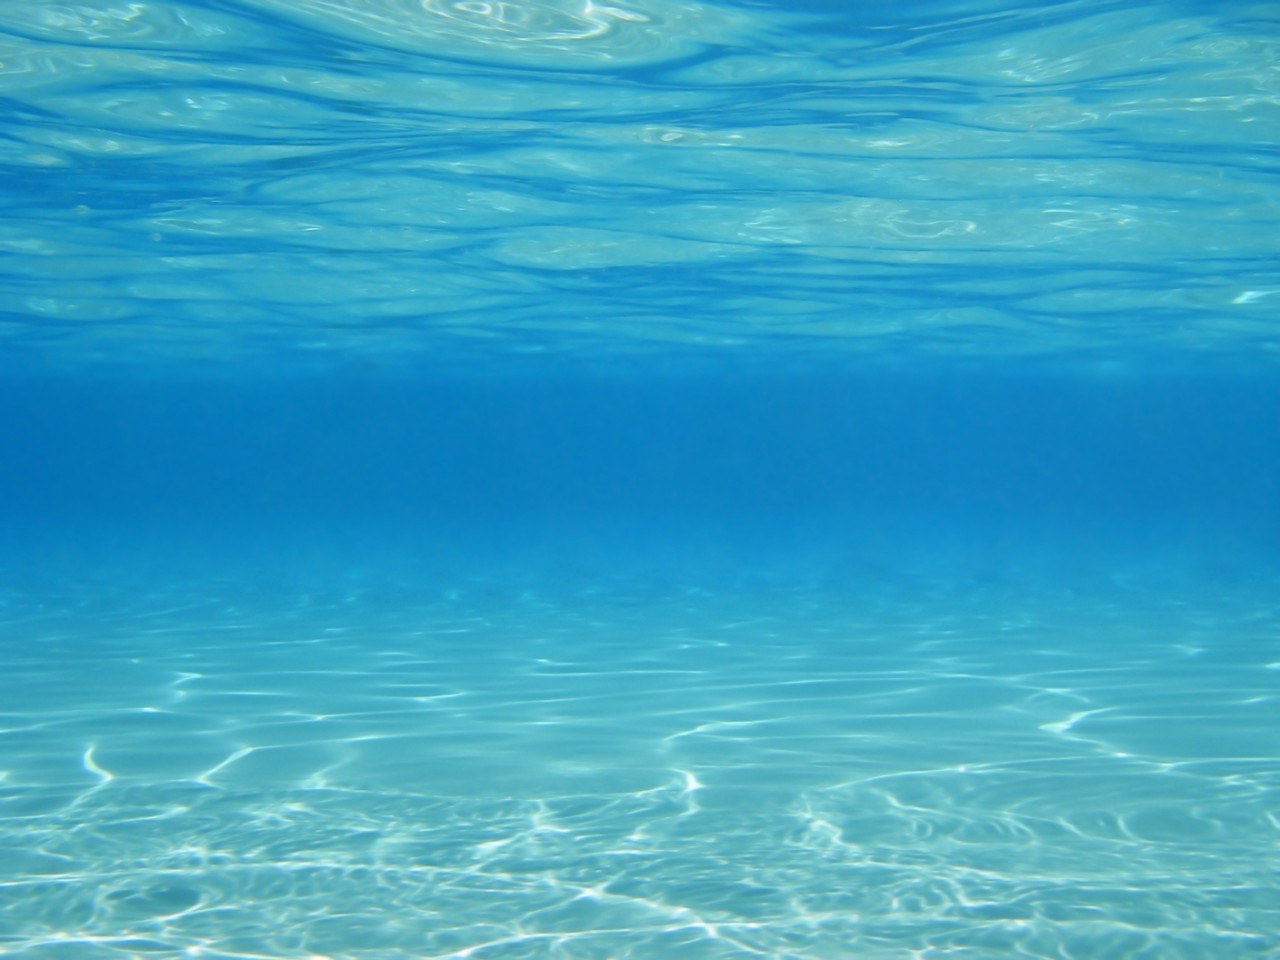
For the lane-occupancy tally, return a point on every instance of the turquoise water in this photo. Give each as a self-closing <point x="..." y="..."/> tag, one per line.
<point x="637" y="480"/>
<point x="628" y="773"/>
<point x="392" y="182"/>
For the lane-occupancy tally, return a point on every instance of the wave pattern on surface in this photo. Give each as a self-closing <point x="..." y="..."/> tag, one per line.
<point x="586" y="178"/>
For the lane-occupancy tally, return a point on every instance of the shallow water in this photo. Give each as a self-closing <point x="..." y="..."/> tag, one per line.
<point x="385" y="183"/>
<point x="791" y="770"/>
<point x="738" y="480"/>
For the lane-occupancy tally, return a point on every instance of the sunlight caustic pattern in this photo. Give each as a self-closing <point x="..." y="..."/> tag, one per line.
<point x="496" y="775"/>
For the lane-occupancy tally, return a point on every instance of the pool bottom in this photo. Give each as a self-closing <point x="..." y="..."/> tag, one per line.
<point x="480" y="770"/>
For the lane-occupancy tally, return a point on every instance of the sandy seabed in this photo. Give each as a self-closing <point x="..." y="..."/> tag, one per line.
<point x="474" y="769"/>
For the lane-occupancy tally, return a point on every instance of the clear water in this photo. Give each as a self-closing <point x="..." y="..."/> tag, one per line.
<point x="639" y="480"/>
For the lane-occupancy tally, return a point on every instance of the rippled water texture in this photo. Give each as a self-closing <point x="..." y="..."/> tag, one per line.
<point x="568" y="177"/>
<point x="831" y="446"/>
<point x="784" y="773"/>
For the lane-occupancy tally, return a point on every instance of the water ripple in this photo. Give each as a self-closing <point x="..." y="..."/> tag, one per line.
<point x="599" y="179"/>
<point x="791" y="774"/>
<point x="560" y="34"/>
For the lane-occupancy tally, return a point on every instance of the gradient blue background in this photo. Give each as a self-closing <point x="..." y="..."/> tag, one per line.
<point x="977" y="473"/>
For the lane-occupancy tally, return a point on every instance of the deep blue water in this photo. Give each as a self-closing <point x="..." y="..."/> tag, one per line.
<point x="696" y="480"/>
<point x="977" y="475"/>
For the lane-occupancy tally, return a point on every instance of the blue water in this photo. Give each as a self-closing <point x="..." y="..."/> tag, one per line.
<point x="585" y="481"/>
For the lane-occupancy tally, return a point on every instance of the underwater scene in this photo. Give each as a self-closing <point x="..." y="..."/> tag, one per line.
<point x="575" y="480"/>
